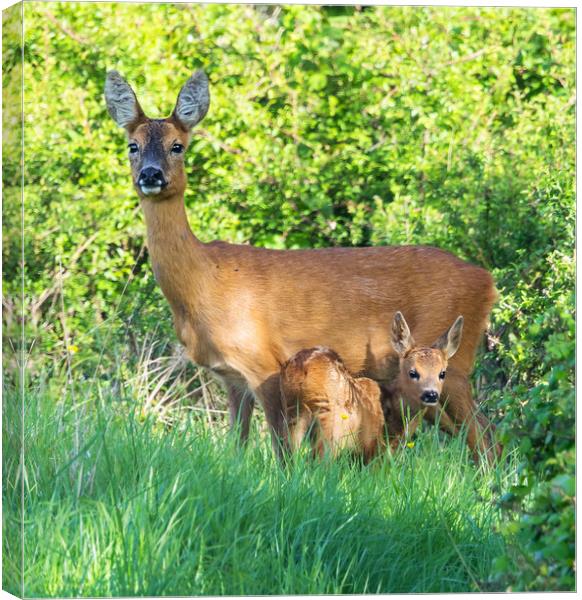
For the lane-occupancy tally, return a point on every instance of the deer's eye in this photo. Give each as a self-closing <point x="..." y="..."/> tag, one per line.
<point x="177" y="149"/>
<point x="133" y="148"/>
<point x="442" y="374"/>
<point x="413" y="373"/>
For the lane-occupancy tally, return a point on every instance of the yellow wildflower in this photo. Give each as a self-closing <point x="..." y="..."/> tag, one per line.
<point x="73" y="349"/>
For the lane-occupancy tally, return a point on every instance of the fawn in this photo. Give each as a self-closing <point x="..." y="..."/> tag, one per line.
<point x="338" y="410"/>
<point x="418" y="388"/>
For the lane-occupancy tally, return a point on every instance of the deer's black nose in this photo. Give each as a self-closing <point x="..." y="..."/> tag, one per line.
<point x="430" y="397"/>
<point x="151" y="177"/>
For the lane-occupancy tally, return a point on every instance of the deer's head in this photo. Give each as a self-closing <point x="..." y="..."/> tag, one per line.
<point x="156" y="146"/>
<point x="423" y="369"/>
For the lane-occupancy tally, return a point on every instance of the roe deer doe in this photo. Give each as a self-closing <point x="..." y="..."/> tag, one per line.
<point x="242" y="311"/>
<point x="339" y="411"/>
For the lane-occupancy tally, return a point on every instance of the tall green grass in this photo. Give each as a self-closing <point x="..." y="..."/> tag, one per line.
<point x="118" y="504"/>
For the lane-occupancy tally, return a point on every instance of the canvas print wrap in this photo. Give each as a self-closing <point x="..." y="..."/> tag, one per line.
<point x="288" y="299"/>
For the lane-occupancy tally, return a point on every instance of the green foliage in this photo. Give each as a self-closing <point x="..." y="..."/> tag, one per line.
<point x="328" y="126"/>
<point x="125" y="507"/>
<point x="538" y="399"/>
<point x="324" y="129"/>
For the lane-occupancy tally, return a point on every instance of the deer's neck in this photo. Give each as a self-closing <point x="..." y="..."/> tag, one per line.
<point x="178" y="258"/>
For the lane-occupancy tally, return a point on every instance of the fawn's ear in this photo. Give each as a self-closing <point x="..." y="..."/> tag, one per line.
<point x="121" y="101"/>
<point x="450" y="340"/>
<point x="402" y="341"/>
<point x="193" y="100"/>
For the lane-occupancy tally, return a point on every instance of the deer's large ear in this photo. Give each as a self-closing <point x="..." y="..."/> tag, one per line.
<point x="121" y="101"/>
<point x="193" y="100"/>
<point x="450" y="340"/>
<point x="402" y="340"/>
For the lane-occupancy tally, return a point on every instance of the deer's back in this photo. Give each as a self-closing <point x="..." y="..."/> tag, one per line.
<point x="316" y="378"/>
<point x="345" y="299"/>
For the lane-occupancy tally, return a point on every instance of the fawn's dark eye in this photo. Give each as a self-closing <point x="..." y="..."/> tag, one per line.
<point x="413" y="374"/>
<point x="442" y="374"/>
<point x="177" y="149"/>
<point x="133" y="148"/>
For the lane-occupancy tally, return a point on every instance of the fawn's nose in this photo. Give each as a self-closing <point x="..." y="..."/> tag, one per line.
<point x="430" y="397"/>
<point x="151" y="177"/>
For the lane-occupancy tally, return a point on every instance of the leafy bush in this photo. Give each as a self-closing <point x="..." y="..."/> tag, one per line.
<point x="538" y="399"/>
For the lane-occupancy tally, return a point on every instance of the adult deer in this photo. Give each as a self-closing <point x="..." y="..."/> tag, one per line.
<point x="242" y="311"/>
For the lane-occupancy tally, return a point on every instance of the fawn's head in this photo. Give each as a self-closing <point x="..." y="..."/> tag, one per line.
<point x="423" y="369"/>
<point x="156" y="146"/>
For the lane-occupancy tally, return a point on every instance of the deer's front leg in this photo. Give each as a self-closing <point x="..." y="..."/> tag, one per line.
<point x="297" y="415"/>
<point x="298" y="428"/>
<point x="463" y="410"/>
<point x="240" y="407"/>
<point x="438" y="414"/>
<point x="269" y="393"/>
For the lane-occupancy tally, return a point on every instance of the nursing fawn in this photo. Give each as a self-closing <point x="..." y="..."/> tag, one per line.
<point x="323" y="400"/>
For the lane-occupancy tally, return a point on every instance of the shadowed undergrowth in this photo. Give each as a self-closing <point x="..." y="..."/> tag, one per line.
<point x="118" y="504"/>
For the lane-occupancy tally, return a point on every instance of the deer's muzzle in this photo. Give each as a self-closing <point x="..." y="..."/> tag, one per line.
<point x="151" y="181"/>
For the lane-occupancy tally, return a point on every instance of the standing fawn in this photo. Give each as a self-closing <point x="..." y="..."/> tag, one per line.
<point x="337" y="410"/>
<point x="242" y="311"/>
<point x="418" y="389"/>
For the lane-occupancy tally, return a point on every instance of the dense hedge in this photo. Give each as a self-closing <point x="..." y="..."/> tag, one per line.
<point x="327" y="126"/>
